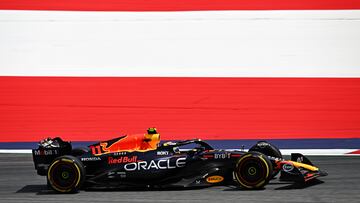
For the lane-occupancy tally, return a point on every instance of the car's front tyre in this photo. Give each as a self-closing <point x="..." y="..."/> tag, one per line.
<point x="253" y="170"/>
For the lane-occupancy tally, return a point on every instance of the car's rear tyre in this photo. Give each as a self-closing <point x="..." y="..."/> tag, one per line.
<point x="66" y="174"/>
<point x="253" y="170"/>
<point x="269" y="150"/>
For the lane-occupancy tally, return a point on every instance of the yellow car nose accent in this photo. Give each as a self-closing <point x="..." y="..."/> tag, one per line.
<point x="306" y="166"/>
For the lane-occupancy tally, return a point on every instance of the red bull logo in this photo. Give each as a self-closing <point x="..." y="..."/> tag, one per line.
<point x="121" y="160"/>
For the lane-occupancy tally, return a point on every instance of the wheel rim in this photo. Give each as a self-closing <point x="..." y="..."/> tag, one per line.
<point x="252" y="171"/>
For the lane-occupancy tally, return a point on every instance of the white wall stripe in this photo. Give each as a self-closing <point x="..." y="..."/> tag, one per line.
<point x="202" y="44"/>
<point x="15" y="151"/>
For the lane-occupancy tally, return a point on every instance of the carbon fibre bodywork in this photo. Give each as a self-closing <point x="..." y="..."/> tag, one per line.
<point x="167" y="166"/>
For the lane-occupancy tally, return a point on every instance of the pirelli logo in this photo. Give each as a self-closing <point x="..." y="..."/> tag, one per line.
<point x="214" y="179"/>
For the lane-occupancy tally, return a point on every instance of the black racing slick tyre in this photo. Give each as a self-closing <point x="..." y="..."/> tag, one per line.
<point x="66" y="174"/>
<point x="253" y="170"/>
<point x="269" y="150"/>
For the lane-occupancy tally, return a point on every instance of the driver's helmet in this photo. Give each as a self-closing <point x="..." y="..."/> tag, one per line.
<point x="151" y="131"/>
<point x="152" y="138"/>
<point x="152" y="134"/>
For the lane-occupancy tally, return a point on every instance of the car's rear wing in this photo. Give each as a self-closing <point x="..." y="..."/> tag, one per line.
<point x="47" y="151"/>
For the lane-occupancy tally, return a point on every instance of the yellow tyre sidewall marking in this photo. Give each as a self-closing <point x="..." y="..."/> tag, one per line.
<point x="69" y="161"/>
<point x="262" y="182"/>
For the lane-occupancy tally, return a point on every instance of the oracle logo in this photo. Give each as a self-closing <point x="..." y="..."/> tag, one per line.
<point x="157" y="165"/>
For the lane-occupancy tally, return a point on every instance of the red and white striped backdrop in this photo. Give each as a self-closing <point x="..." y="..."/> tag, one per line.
<point x="175" y="5"/>
<point x="289" y="71"/>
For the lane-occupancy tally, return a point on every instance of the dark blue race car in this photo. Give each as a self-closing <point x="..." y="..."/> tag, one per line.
<point x="189" y="163"/>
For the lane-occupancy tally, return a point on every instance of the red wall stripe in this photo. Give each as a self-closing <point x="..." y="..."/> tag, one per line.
<point x="176" y="5"/>
<point x="79" y="108"/>
<point x="355" y="152"/>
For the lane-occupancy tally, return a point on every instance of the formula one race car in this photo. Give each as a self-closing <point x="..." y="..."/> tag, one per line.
<point x="139" y="161"/>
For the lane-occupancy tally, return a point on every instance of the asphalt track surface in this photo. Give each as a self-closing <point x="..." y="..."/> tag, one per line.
<point x="20" y="183"/>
